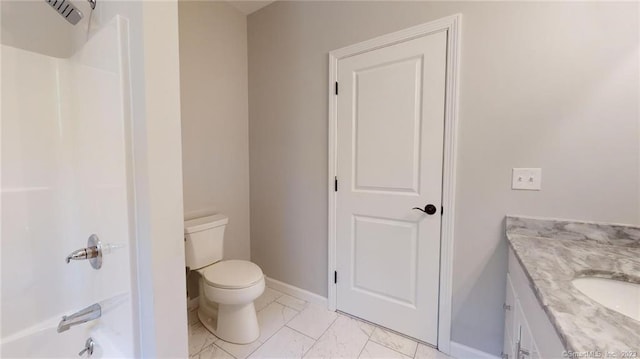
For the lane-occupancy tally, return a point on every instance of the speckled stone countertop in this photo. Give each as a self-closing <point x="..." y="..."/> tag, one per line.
<point x="554" y="252"/>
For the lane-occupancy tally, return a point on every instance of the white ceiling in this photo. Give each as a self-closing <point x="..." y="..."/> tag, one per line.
<point x="247" y="7"/>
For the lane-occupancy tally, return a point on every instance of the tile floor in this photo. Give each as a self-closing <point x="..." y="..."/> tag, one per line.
<point x="293" y="328"/>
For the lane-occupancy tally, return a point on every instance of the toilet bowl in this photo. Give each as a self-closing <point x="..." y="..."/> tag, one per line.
<point x="232" y="285"/>
<point x="227" y="287"/>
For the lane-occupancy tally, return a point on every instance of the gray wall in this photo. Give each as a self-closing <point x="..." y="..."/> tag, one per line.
<point x="215" y="134"/>
<point x="551" y="85"/>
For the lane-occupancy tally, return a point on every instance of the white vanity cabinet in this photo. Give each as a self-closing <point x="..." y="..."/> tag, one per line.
<point x="528" y="333"/>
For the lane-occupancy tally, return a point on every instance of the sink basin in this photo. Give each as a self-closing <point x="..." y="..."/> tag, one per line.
<point x="623" y="297"/>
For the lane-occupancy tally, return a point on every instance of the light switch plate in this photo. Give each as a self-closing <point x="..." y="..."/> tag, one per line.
<point x="527" y="179"/>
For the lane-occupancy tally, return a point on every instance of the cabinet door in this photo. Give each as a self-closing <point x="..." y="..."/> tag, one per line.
<point x="525" y="344"/>
<point x="509" y="324"/>
<point x="508" y="346"/>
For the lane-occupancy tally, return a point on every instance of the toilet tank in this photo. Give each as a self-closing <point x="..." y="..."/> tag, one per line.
<point x="204" y="240"/>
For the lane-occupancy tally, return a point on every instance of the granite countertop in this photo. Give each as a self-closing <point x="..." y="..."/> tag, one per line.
<point x="554" y="252"/>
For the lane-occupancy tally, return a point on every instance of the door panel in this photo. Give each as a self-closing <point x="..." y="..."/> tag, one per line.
<point x="389" y="160"/>
<point x="378" y="240"/>
<point x="388" y="91"/>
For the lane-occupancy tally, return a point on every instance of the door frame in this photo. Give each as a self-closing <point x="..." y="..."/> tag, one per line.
<point x="452" y="25"/>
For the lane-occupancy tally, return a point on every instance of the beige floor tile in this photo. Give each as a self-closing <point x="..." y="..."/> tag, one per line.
<point x="427" y="352"/>
<point x="199" y="338"/>
<point x="286" y="343"/>
<point x="211" y="352"/>
<point x="394" y="341"/>
<point x="269" y="296"/>
<point x="374" y="350"/>
<point x="313" y="321"/>
<point x="345" y="338"/>
<point x="292" y="302"/>
<point x="239" y="351"/>
<point x="272" y="318"/>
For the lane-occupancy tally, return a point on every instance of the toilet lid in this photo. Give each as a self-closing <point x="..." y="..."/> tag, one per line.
<point x="232" y="274"/>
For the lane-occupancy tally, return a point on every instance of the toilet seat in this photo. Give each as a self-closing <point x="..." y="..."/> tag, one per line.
<point x="232" y="274"/>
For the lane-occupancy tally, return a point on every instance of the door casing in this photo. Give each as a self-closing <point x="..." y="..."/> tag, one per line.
<point x="452" y="25"/>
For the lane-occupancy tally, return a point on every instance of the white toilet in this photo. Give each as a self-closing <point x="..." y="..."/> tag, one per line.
<point x="227" y="288"/>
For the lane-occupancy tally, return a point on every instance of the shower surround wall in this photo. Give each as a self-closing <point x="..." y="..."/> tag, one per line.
<point x="65" y="175"/>
<point x="155" y="101"/>
<point x="542" y="84"/>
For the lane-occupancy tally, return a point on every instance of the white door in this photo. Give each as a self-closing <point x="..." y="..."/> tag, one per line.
<point x="389" y="160"/>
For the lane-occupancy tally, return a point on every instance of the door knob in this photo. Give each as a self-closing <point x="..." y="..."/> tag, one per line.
<point x="428" y="209"/>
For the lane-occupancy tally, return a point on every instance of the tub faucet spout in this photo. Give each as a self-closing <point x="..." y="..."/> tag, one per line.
<point x="91" y="312"/>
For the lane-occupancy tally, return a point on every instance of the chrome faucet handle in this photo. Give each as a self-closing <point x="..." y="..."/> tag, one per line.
<point x="79" y="254"/>
<point x="93" y="252"/>
<point x="88" y="347"/>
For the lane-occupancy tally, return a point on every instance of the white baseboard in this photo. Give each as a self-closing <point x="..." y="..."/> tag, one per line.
<point x="192" y="303"/>
<point x="296" y="292"/>
<point x="460" y="351"/>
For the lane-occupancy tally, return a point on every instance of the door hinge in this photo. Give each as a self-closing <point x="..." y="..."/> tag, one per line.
<point x="441" y="210"/>
<point x="336" y="87"/>
<point x="335" y="276"/>
<point x="335" y="184"/>
<point x="506" y="306"/>
<point x="504" y="356"/>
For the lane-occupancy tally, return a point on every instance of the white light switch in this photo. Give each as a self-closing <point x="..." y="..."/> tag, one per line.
<point x="527" y="179"/>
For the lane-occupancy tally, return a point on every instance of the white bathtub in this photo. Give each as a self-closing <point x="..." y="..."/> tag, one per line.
<point x="43" y="341"/>
<point x="112" y="338"/>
